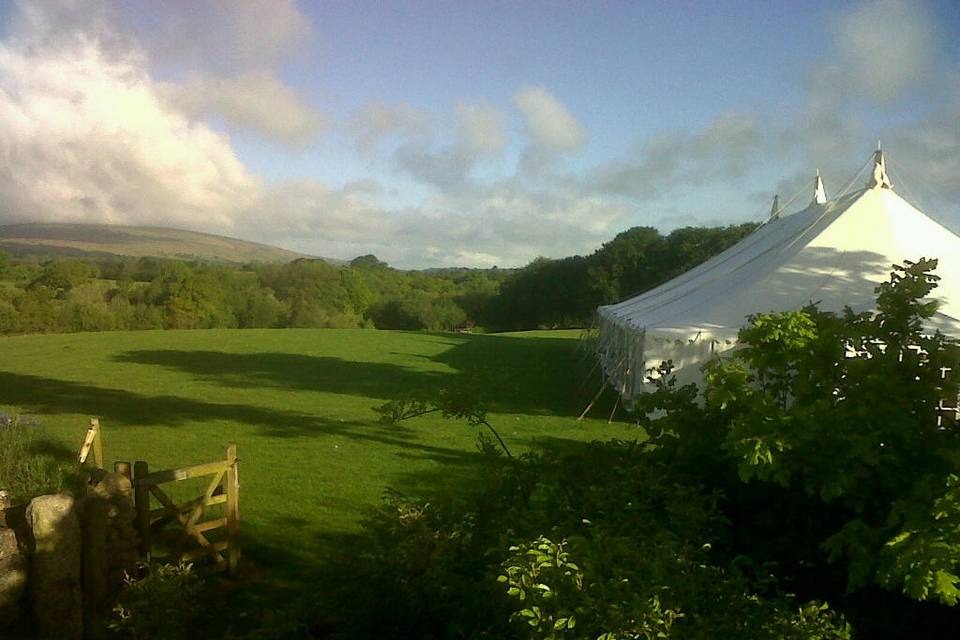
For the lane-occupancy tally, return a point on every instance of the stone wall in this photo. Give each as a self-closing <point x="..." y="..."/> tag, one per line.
<point x="56" y="595"/>
<point x="13" y="563"/>
<point x="63" y="558"/>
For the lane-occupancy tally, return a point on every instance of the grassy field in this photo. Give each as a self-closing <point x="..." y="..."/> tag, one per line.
<point x="298" y="403"/>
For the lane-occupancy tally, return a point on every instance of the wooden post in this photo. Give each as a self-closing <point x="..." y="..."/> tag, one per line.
<point x="97" y="443"/>
<point x="92" y="441"/>
<point x="94" y="566"/>
<point x="141" y="497"/>
<point x="232" y="482"/>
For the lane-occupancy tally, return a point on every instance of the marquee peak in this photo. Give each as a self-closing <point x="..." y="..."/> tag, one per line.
<point x="819" y="193"/>
<point x="879" y="179"/>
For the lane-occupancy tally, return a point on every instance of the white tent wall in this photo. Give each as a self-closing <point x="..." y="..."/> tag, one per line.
<point x="834" y="253"/>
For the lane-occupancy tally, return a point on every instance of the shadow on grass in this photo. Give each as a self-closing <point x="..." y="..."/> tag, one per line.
<point x="523" y="375"/>
<point x="124" y="408"/>
<point x="508" y="373"/>
<point x="290" y="371"/>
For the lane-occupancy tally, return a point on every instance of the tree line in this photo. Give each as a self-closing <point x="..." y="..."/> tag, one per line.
<point x="65" y="295"/>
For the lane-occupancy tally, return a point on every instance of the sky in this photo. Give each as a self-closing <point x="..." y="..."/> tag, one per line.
<point x="475" y="133"/>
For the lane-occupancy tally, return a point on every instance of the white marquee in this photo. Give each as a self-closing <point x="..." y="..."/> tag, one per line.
<point x="834" y="252"/>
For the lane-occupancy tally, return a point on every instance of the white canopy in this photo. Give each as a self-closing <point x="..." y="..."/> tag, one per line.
<point x="833" y="252"/>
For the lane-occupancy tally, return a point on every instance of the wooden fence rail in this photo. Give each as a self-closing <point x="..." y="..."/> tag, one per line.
<point x="223" y="488"/>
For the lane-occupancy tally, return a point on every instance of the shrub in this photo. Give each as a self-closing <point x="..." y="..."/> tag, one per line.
<point x="844" y="409"/>
<point x="598" y="541"/>
<point x="32" y="463"/>
<point x="162" y="605"/>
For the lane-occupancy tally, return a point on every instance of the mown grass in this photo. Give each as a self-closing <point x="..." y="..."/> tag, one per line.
<point x="299" y="405"/>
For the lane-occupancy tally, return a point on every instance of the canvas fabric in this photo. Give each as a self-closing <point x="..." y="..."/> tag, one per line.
<point x="833" y="254"/>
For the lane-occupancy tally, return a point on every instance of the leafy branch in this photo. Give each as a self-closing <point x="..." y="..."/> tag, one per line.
<point x="450" y="403"/>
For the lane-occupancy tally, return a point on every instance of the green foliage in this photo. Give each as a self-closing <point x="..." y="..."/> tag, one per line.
<point x="149" y="293"/>
<point x="566" y="292"/>
<point x="60" y="276"/>
<point x="368" y="261"/>
<point x="625" y="557"/>
<point x="162" y="605"/>
<point x="418" y="310"/>
<point x="539" y="574"/>
<point x="845" y="408"/>
<point x="63" y="296"/>
<point x="924" y="556"/>
<point x="31" y="462"/>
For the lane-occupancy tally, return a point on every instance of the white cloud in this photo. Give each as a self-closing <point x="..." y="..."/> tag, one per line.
<point x="548" y="123"/>
<point x="726" y="149"/>
<point x="925" y="162"/>
<point x="377" y="123"/>
<point x="884" y="53"/>
<point x="225" y="36"/>
<point x="413" y="141"/>
<point x="84" y="137"/>
<point x="503" y="224"/>
<point x="64" y="25"/>
<point x="442" y="167"/>
<point x="254" y="100"/>
<point x="512" y="223"/>
<point x="310" y="215"/>
<point x="883" y="48"/>
<point x="480" y="128"/>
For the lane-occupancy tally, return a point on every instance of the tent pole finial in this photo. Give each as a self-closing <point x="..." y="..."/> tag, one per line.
<point x="819" y="193"/>
<point x="775" y="209"/>
<point x="879" y="179"/>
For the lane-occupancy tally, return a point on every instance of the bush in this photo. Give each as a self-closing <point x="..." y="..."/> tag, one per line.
<point x="823" y="435"/>
<point x="844" y="409"/>
<point x="160" y="606"/>
<point x="596" y="542"/>
<point x="418" y="310"/>
<point x="32" y="463"/>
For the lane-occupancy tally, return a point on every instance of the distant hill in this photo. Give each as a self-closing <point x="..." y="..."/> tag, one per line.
<point x="101" y="240"/>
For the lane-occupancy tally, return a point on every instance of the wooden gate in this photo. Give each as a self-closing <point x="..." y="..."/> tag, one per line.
<point x="222" y="489"/>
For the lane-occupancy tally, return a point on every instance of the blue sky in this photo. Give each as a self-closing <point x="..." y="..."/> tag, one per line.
<point x="465" y="133"/>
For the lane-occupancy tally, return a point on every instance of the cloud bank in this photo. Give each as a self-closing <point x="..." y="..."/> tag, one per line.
<point x="85" y="137"/>
<point x="547" y="121"/>
<point x="256" y="101"/>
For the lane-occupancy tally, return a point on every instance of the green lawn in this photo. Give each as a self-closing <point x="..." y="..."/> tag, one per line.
<point x="298" y="403"/>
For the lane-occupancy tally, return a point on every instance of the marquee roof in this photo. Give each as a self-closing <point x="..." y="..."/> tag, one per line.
<point x="834" y="252"/>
